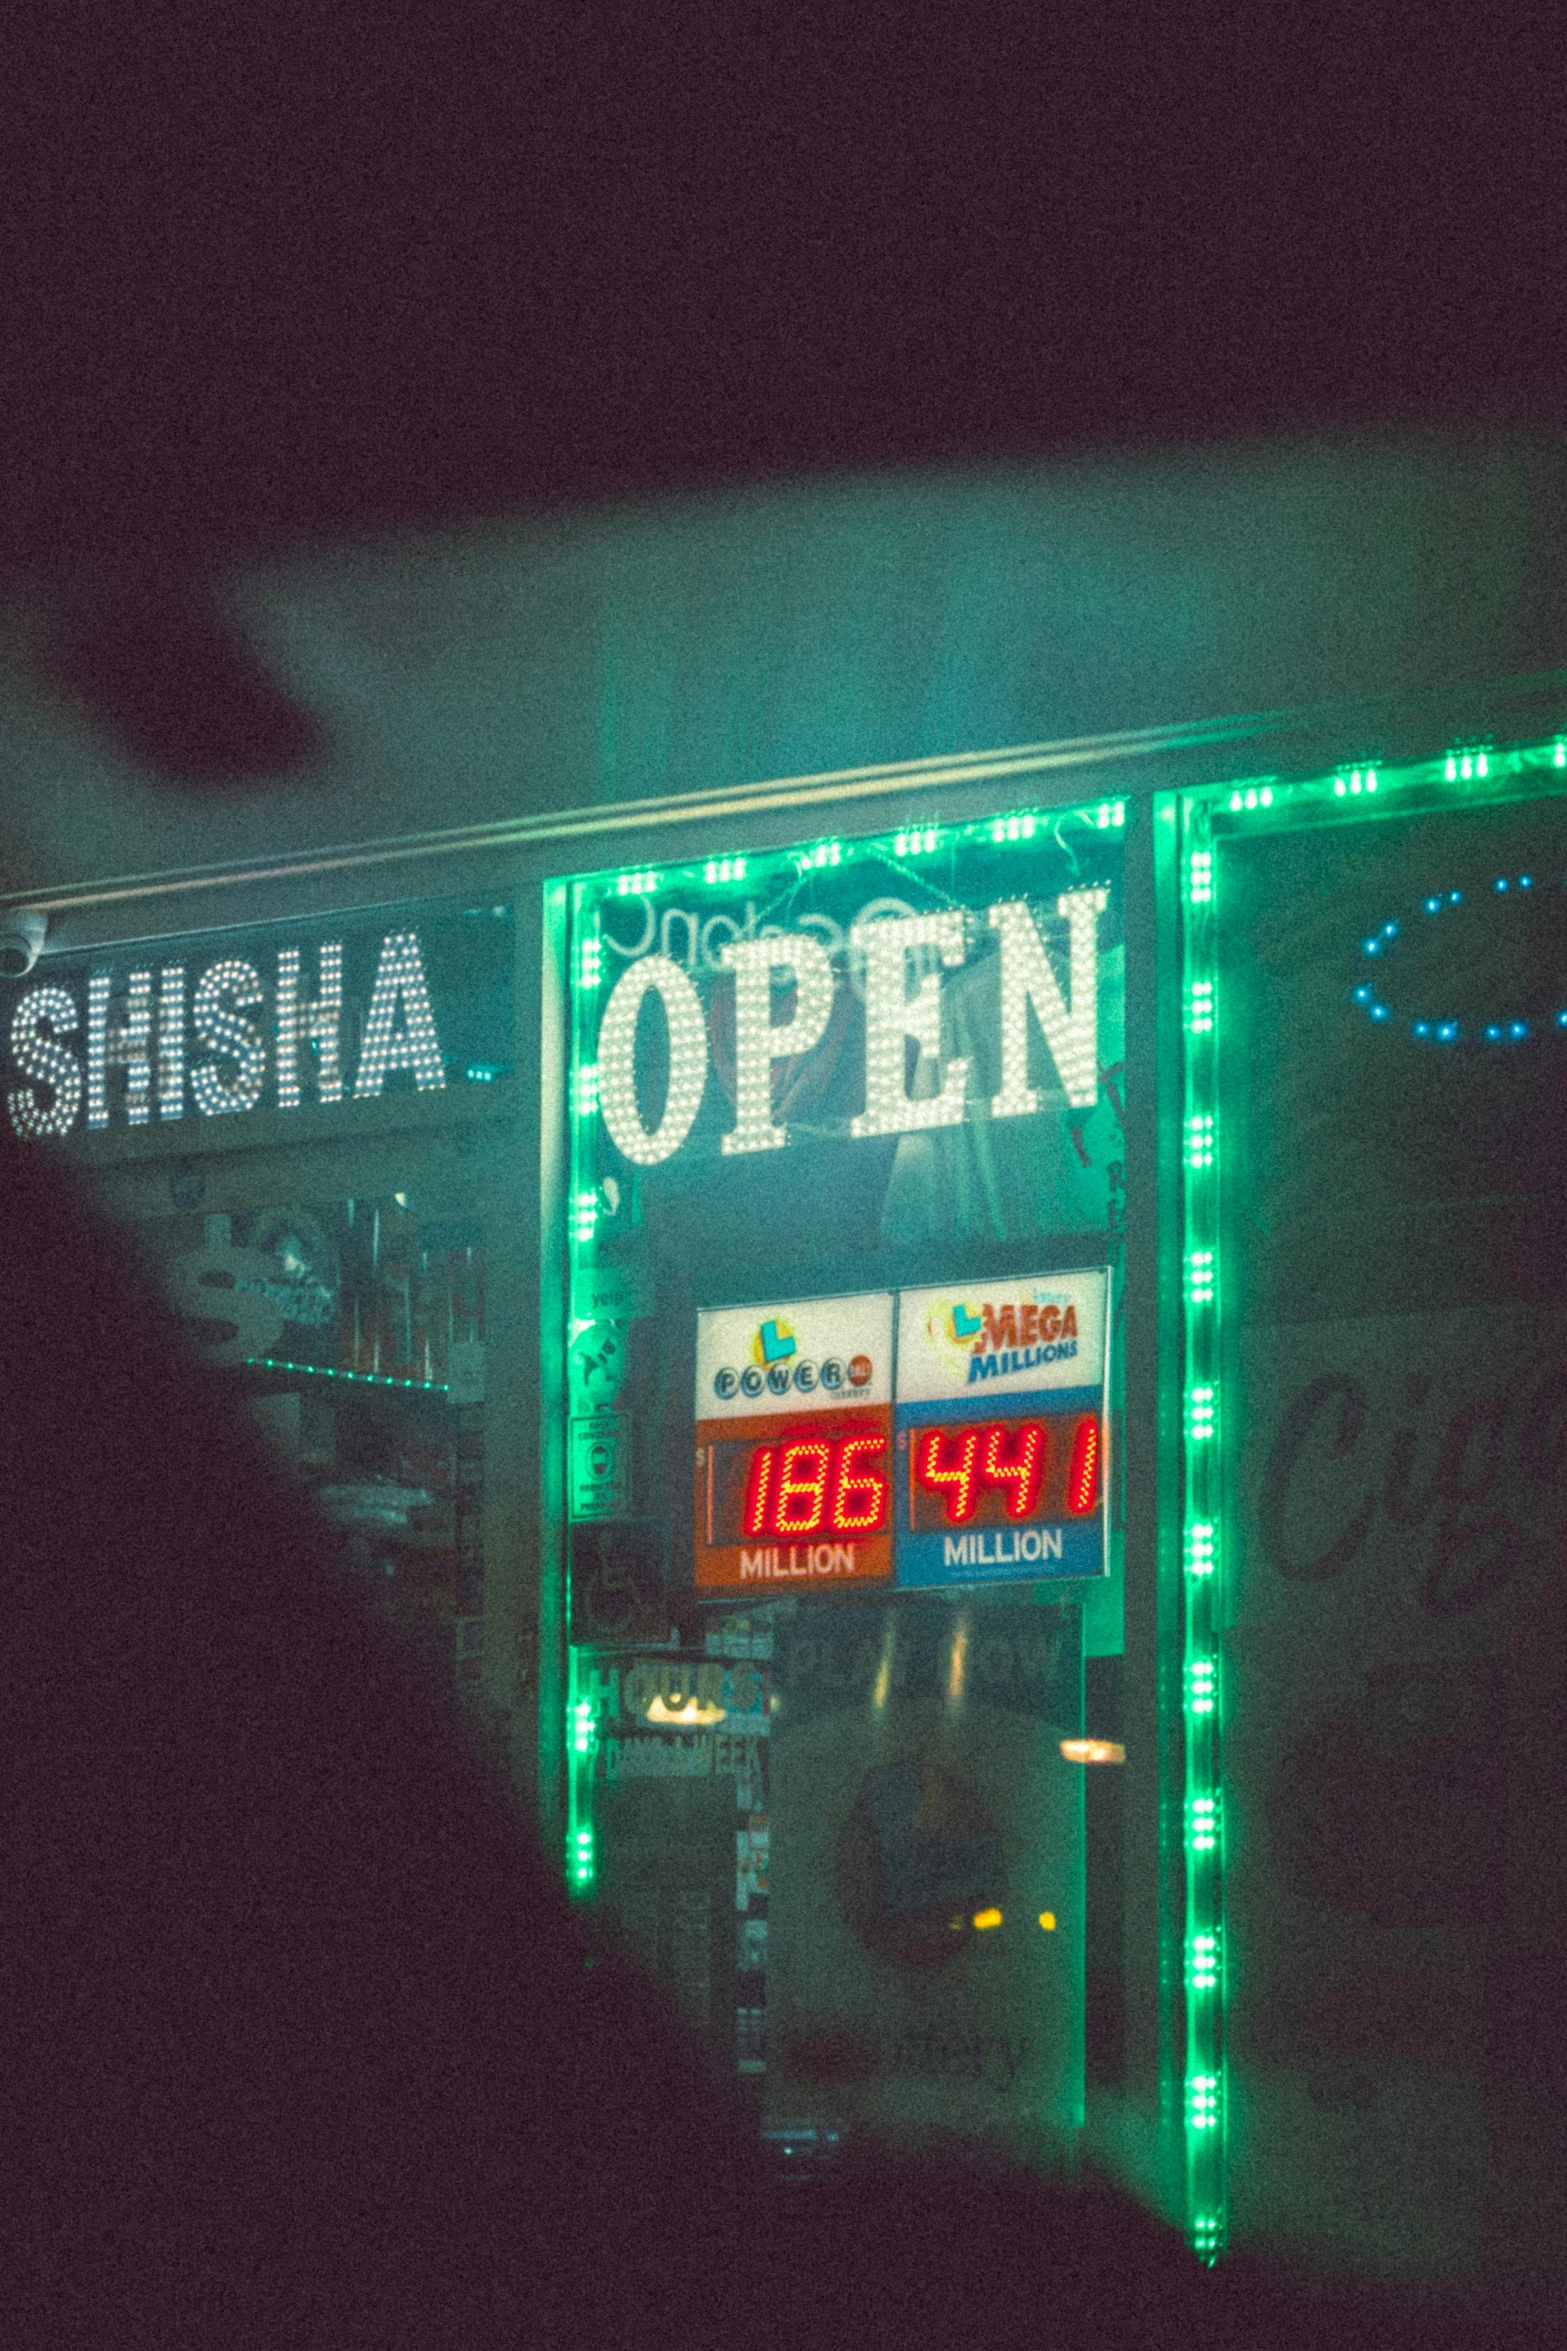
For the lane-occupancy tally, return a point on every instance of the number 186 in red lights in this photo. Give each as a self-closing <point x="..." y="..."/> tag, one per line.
<point x="817" y="1486"/>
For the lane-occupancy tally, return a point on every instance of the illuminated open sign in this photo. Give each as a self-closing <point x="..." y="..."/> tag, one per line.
<point x="792" y="972"/>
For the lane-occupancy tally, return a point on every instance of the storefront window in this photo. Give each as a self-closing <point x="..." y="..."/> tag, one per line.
<point x="273" y="1114"/>
<point x="1375" y="1013"/>
<point x="355" y="1331"/>
<point x="845" y="1209"/>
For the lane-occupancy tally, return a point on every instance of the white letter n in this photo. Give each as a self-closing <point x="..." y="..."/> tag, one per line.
<point x="1027" y="979"/>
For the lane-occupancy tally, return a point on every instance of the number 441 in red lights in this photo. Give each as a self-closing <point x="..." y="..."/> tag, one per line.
<point x="961" y="1464"/>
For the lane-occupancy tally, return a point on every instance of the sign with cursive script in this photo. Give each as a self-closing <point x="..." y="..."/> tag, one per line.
<point x="1395" y="1672"/>
<point x="1376" y="1283"/>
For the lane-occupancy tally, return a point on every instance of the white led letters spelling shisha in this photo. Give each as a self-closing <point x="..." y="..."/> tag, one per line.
<point x="140" y="1028"/>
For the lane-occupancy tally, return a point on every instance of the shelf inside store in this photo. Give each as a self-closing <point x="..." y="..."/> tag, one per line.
<point x="326" y="1372"/>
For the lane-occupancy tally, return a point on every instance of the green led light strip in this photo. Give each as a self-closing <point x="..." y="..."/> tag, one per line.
<point x="581" y="1854"/>
<point x="1202" y="1581"/>
<point x="584" y="1206"/>
<point x="360" y="1379"/>
<point x="1460" y="777"/>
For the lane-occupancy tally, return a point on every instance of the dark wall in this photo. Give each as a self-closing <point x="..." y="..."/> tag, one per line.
<point x="621" y="653"/>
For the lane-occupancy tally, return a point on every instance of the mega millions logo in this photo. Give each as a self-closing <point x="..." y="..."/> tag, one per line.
<point x="1024" y="1334"/>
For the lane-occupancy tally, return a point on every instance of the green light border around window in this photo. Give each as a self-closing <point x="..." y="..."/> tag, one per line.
<point x="580" y="960"/>
<point x="1465" y="775"/>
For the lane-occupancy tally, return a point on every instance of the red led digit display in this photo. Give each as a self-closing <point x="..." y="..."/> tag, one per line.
<point x="983" y="1456"/>
<point x="998" y="1470"/>
<point x="1082" y="1479"/>
<point x="812" y="1495"/>
<point x="759" y="1488"/>
<point x="1013" y="1462"/>
<point x="860" y="1495"/>
<point x="802" y="1485"/>
<point x="800" y="1505"/>
<point x="944" y="1465"/>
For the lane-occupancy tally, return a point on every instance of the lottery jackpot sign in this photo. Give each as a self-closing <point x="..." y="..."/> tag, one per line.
<point x="794" y="1443"/>
<point x="919" y="1437"/>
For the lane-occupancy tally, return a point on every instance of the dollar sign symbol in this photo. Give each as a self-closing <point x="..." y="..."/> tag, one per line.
<point x="615" y="1596"/>
<point x="221" y="1298"/>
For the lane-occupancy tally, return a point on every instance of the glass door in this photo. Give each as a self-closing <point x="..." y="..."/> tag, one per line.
<point x="839" y="1460"/>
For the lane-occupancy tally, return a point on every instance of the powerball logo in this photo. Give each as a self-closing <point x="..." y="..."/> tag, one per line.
<point x="773" y="1343"/>
<point x="777" y="1366"/>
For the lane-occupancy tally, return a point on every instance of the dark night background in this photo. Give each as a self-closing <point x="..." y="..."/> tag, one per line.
<point x="293" y="272"/>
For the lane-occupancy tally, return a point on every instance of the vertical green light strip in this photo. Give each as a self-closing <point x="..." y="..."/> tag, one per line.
<point x="1202" y="1432"/>
<point x="584" y="977"/>
<point x="581" y="1849"/>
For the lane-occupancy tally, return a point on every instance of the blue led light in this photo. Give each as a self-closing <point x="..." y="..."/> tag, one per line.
<point x="1449" y="1032"/>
